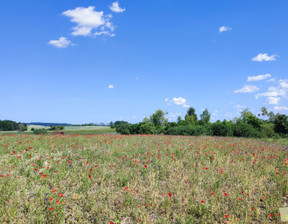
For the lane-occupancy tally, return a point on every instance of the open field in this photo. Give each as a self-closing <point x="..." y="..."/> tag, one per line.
<point x="141" y="179"/>
<point x="69" y="130"/>
<point x="85" y="127"/>
<point x="36" y="126"/>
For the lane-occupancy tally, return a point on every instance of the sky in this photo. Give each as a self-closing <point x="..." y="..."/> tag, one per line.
<point x="83" y="61"/>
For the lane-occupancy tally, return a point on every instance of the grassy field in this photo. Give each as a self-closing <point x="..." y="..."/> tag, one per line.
<point x="86" y="127"/>
<point x="141" y="179"/>
<point x="69" y="130"/>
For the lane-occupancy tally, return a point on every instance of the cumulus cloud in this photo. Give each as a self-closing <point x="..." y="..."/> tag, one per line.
<point x="111" y="87"/>
<point x="247" y="89"/>
<point x="281" y="108"/>
<point x="63" y="42"/>
<point x="178" y="101"/>
<point x="116" y="8"/>
<point x="275" y="93"/>
<point x="264" y="57"/>
<point x="88" y="19"/>
<point x="224" y="29"/>
<point x="258" y="77"/>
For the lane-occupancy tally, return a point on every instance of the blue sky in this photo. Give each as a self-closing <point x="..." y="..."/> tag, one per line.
<point x="80" y="61"/>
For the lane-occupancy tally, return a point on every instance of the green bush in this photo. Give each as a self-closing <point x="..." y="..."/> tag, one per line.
<point x="40" y="131"/>
<point x="123" y="129"/>
<point x="222" y="128"/>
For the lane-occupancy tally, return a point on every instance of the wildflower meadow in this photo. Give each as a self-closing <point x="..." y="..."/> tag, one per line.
<point x="141" y="179"/>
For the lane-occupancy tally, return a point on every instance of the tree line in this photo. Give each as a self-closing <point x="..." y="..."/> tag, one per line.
<point x="7" y="125"/>
<point x="264" y="125"/>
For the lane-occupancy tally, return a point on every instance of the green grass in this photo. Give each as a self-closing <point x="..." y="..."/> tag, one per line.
<point x="141" y="179"/>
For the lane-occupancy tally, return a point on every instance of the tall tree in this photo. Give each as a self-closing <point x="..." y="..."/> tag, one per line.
<point x="191" y="116"/>
<point x="205" y="116"/>
<point x="159" y="119"/>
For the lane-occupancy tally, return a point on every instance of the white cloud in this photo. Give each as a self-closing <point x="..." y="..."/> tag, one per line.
<point x="178" y="101"/>
<point x="271" y="80"/>
<point x="104" y="33"/>
<point x="247" y="89"/>
<point x="61" y="43"/>
<point x="88" y="19"/>
<point x="116" y="8"/>
<point x="280" y="108"/>
<point x="224" y="29"/>
<point x="258" y="77"/>
<point x="273" y="100"/>
<point x="272" y="92"/>
<point x="283" y="83"/>
<point x="81" y="31"/>
<point x="264" y="57"/>
<point x="111" y="87"/>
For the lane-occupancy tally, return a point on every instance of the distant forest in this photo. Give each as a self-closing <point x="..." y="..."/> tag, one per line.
<point x="264" y="125"/>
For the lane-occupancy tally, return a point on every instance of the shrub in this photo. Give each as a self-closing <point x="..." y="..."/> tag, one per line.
<point x="40" y="131"/>
<point x="123" y="129"/>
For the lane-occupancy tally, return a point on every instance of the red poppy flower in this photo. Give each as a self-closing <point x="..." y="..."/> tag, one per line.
<point x="170" y="194"/>
<point x="51" y="209"/>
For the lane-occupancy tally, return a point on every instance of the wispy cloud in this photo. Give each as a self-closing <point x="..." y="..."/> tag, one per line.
<point x="264" y="57"/>
<point x="258" y="77"/>
<point x="224" y="29"/>
<point x="116" y="8"/>
<point x="111" y="87"/>
<point x="63" y="42"/>
<point x="281" y="108"/>
<point x="247" y="89"/>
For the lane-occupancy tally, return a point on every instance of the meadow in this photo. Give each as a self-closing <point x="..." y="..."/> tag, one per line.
<point x="141" y="179"/>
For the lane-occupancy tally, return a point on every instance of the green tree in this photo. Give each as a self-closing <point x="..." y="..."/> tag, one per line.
<point x="159" y="119"/>
<point x="191" y="117"/>
<point x="249" y="118"/>
<point x="205" y="117"/>
<point x="281" y="124"/>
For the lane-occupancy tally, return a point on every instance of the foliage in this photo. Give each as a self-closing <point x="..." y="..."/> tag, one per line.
<point x="56" y="128"/>
<point x="205" y="117"/>
<point x="8" y="125"/>
<point x="281" y="124"/>
<point x="158" y="119"/>
<point x="247" y="125"/>
<point x="40" y="131"/>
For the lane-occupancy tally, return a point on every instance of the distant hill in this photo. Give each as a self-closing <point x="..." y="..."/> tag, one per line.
<point x="65" y="124"/>
<point x="48" y="124"/>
